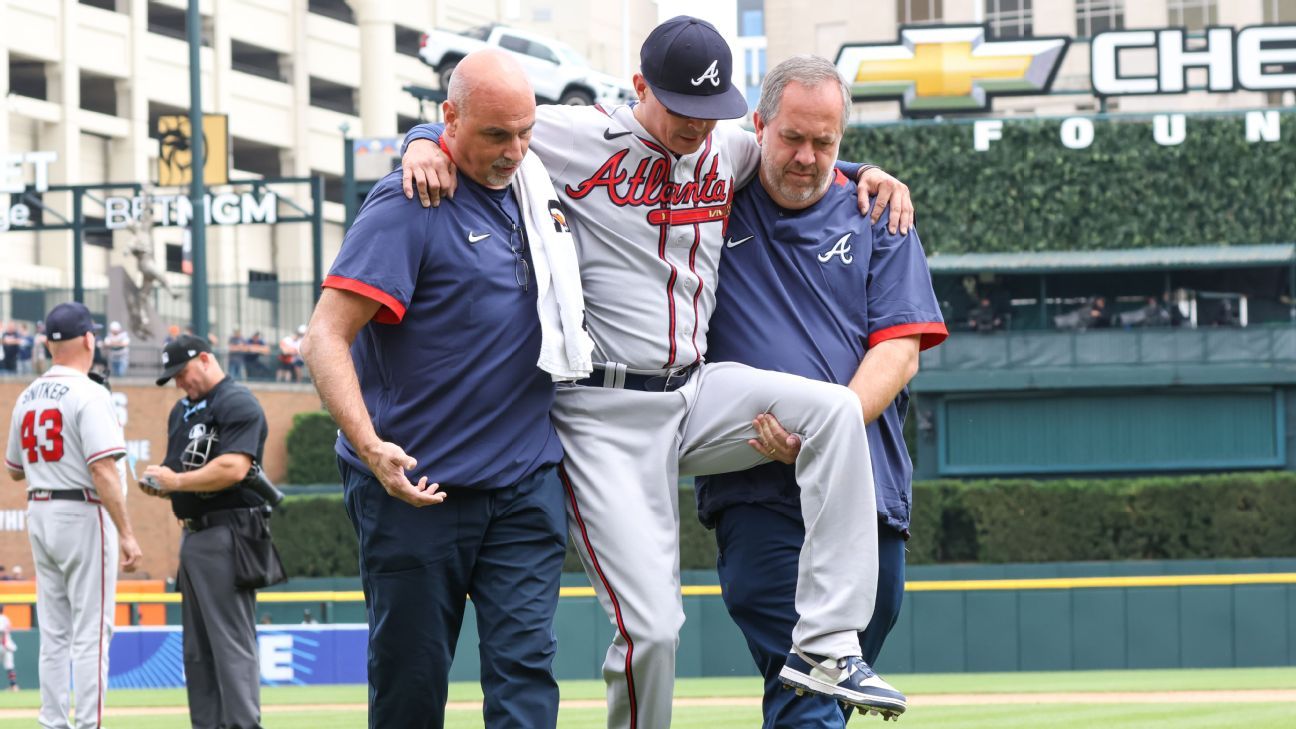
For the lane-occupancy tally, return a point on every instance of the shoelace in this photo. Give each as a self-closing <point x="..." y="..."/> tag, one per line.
<point x="858" y="666"/>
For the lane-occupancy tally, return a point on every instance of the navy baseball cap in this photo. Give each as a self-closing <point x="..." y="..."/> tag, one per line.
<point x="69" y="321"/>
<point x="178" y="353"/>
<point x="689" y="68"/>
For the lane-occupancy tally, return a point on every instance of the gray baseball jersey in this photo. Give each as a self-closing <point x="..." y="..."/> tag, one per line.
<point x="649" y="229"/>
<point x="61" y="423"/>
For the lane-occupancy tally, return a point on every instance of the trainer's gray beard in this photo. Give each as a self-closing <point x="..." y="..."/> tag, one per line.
<point x="497" y="178"/>
<point x="798" y="193"/>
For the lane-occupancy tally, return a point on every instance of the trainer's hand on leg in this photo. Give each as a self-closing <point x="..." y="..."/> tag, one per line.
<point x="772" y="441"/>
<point x="389" y="462"/>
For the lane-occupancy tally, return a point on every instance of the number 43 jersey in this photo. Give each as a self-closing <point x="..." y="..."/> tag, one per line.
<point x="61" y="423"/>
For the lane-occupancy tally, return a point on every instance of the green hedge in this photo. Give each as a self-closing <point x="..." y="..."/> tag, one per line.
<point x="315" y="538"/>
<point x="1030" y="193"/>
<point x="310" y="449"/>
<point x="1183" y="517"/>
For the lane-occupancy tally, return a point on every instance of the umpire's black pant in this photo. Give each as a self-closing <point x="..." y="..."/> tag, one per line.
<point x="505" y="548"/>
<point x="222" y="670"/>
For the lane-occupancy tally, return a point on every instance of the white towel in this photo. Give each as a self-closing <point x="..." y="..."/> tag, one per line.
<point x="566" y="350"/>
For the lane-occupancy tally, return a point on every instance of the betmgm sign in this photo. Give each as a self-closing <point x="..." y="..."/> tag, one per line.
<point x="13" y="171"/>
<point x="960" y="68"/>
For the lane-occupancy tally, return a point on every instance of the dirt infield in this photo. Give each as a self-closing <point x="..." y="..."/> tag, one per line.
<point x="1263" y="696"/>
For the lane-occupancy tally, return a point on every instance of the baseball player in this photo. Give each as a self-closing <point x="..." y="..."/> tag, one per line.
<point x="813" y="289"/>
<point x="648" y="189"/>
<point x="7" y="649"/>
<point x="64" y="439"/>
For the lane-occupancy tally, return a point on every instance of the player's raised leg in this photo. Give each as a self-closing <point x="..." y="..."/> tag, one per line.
<point x="837" y="570"/>
<point x="623" y="507"/>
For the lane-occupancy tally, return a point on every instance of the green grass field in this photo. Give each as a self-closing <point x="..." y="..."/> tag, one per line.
<point x="292" y="708"/>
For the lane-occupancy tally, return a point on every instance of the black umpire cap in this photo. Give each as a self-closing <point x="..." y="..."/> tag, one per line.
<point x="178" y="353"/>
<point x="688" y="66"/>
<point x="69" y="320"/>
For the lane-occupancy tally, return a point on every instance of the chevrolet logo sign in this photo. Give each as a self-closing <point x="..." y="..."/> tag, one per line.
<point x="949" y="68"/>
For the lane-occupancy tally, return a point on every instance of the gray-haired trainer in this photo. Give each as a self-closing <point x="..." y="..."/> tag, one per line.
<point x="846" y="679"/>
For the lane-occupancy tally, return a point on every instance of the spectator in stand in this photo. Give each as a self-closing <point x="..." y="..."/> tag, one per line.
<point x="237" y="348"/>
<point x="1226" y="317"/>
<point x="254" y="348"/>
<point x="173" y="331"/>
<point x="1154" y="314"/>
<point x="290" y="357"/>
<point x="983" y="318"/>
<point x="118" y="345"/>
<point x="1098" y="317"/>
<point x="40" y="352"/>
<point x="26" y="346"/>
<point x="11" y="344"/>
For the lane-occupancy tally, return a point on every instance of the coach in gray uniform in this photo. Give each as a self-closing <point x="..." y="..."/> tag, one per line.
<point x="214" y="435"/>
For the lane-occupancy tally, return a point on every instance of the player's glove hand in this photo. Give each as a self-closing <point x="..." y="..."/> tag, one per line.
<point x="889" y="191"/>
<point x="389" y="462"/>
<point x="772" y="441"/>
<point x="424" y="165"/>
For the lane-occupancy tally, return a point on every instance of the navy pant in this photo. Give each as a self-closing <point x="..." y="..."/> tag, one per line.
<point x="505" y="548"/>
<point x="759" y="548"/>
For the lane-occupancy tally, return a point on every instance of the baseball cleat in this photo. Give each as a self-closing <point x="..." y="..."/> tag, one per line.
<point x="846" y="679"/>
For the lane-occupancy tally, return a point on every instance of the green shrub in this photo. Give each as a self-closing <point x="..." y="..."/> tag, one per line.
<point x="315" y="538"/>
<point x="311" y="459"/>
<point x="1227" y="516"/>
<point x="1238" y="515"/>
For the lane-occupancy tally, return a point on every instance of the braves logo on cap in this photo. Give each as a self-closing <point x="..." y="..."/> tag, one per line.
<point x="712" y="74"/>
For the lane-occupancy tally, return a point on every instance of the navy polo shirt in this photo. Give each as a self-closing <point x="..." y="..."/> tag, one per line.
<point x="447" y="366"/>
<point x="808" y="292"/>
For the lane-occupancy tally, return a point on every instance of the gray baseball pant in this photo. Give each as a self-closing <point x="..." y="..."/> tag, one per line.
<point x="222" y="668"/>
<point x="625" y="452"/>
<point x="74" y="548"/>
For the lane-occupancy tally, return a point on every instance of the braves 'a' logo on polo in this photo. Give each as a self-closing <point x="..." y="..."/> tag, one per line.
<point x="840" y="248"/>
<point x="949" y="68"/>
<point x="712" y="74"/>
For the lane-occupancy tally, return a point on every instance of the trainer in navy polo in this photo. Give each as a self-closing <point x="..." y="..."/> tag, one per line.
<point x="807" y="292"/>
<point x="447" y="368"/>
<point x="456" y="384"/>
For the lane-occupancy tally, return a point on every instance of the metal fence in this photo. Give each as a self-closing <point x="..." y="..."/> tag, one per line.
<point x="271" y="309"/>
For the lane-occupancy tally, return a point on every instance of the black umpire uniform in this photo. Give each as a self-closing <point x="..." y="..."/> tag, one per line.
<point x="222" y="670"/>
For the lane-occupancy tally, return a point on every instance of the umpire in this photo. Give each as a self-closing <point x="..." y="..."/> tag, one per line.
<point x="215" y="435"/>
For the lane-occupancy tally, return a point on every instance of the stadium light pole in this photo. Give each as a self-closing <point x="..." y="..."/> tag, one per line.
<point x="197" y="193"/>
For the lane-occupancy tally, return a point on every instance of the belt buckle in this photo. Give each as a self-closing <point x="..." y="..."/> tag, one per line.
<point x="40" y="495"/>
<point x="680" y="374"/>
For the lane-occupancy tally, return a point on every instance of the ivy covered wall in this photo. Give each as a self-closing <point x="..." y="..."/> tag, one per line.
<point x="1029" y="192"/>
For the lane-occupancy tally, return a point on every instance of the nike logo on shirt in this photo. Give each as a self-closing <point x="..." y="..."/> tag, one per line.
<point x="474" y="237"/>
<point x="731" y="243"/>
<point x="609" y="134"/>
